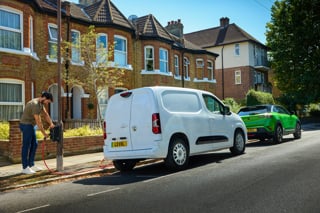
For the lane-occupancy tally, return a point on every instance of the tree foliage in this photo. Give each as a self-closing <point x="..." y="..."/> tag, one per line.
<point x="293" y="35"/>
<point x="96" y="72"/>
<point x="257" y="97"/>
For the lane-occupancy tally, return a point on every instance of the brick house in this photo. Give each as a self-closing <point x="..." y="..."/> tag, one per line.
<point x="242" y="64"/>
<point x="150" y="53"/>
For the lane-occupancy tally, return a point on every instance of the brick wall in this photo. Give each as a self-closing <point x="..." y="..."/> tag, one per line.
<point x="237" y="91"/>
<point x="76" y="145"/>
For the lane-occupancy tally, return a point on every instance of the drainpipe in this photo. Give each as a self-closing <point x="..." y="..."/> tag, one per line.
<point x="182" y="73"/>
<point x="67" y="114"/>
<point x="222" y="69"/>
<point x="60" y="143"/>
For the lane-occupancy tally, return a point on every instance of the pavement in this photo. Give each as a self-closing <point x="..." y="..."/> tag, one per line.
<point x="93" y="160"/>
<point x="77" y="165"/>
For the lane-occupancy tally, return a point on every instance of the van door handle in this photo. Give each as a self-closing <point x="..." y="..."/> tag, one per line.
<point x="134" y="128"/>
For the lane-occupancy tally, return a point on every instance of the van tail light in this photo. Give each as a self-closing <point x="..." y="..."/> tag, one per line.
<point x="126" y="94"/>
<point x="156" y="127"/>
<point x="104" y="130"/>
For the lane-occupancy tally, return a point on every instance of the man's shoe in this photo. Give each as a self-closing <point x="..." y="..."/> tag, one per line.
<point x="36" y="168"/>
<point x="28" y="171"/>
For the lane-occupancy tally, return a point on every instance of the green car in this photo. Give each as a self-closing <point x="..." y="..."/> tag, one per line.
<point x="270" y="122"/>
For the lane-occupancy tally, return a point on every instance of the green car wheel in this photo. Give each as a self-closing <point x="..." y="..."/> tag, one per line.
<point x="278" y="134"/>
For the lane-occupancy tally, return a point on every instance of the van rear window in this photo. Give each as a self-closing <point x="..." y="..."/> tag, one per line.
<point x="181" y="101"/>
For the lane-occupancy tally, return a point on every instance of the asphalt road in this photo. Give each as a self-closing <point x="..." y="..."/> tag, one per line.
<point x="267" y="178"/>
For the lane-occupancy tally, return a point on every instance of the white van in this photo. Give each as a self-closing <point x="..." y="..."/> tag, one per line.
<point x="169" y="123"/>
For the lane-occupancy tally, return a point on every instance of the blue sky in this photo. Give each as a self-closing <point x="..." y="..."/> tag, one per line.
<point x="250" y="15"/>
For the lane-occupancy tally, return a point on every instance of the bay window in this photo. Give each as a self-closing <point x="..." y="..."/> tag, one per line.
<point x="176" y="66"/>
<point x="102" y="48"/>
<point x="163" y="60"/>
<point x="75" y="52"/>
<point x="10" y="29"/>
<point x="120" y="51"/>
<point x="149" y="58"/>
<point x="53" y="41"/>
<point x="11" y="99"/>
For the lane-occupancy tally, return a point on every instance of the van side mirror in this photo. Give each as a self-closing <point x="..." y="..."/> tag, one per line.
<point x="226" y="110"/>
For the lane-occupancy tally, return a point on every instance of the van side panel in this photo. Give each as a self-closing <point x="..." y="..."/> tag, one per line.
<point x="182" y="112"/>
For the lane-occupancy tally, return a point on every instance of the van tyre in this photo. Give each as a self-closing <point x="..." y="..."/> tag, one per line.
<point x="239" y="143"/>
<point x="178" y="154"/>
<point x="278" y="134"/>
<point x="124" y="165"/>
<point x="297" y="133"/>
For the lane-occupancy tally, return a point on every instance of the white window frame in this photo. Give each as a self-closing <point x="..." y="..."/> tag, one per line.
<point x="52" y="41"/>
<point x="13" y="81"/>
<point x="31" y="34"/>
<point x="200" y="66"/>
<point x="103" y="98"/>
<point x="122" y="52"/>
<point x="186" y="67"/>
<point x="13" y="30"/>
<point x="210" y="69"/>
<point x="176" y="66"/>
<point x="76" y="48"/>
<point x="163" y="62"/>
<point x="237" y="77"/>
<point x="148" y="59"/>
<point x="102" y="52"/>
<point x="237" y="49"/>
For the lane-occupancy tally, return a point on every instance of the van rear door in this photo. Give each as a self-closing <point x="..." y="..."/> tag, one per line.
<point x="117" y="120"/>
<point x="142" y="108"/>
<point x="129" y="121"/>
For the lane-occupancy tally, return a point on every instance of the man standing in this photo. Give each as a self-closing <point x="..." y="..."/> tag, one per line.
<point x="30" y="121"/>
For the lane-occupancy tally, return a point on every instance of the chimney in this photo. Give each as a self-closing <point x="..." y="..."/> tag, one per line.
<point x="175" y="28"/>
<point x="224" y="22"/>
<point x="67" y="7"/>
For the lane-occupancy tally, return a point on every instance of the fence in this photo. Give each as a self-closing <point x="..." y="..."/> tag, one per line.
<point x="76" y="123"/>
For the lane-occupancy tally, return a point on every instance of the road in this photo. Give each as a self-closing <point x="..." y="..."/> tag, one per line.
<point x="267" y="178"/>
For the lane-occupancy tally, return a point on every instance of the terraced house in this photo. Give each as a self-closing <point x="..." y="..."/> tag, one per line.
<point x="242" y="64"/>
<point x="150" y="54"/>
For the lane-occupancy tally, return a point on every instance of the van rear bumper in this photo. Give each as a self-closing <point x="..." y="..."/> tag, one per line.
<point x="133" y="154"/>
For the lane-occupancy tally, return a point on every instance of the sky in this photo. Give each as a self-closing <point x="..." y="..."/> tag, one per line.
<point x="250" y="15"/>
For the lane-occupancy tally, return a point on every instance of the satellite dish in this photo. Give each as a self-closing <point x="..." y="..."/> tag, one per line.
<point x="132" y="17"/>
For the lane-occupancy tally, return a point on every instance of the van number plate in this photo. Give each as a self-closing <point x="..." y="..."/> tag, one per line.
<point x="116" y="144"/>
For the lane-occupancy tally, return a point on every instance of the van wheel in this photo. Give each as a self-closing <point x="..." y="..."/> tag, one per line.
<point x="178" y="154"/>
<point x="297" y="133"/>
<point x="239" y="143"/>
<point x="124" y="165"/>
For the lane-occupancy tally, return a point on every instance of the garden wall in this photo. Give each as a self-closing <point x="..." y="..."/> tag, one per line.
<point x="11" y="149"/>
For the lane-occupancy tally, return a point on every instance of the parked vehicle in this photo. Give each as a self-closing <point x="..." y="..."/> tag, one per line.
<point x="270" y="122"/>
<point x="169" y="123"/>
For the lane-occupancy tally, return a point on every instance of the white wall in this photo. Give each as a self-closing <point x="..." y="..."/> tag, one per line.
<point x="229" y="57"/>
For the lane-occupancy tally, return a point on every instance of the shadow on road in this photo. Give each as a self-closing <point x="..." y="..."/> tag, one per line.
<point x="257" y="143"/>
<point x="158" y="169"/>
<point x="151" y="171"/>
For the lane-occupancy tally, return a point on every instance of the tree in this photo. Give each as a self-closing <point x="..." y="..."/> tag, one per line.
<point x="97" y="71"/>
<point x="293" y="35"/>
<point x="257" y="97"/>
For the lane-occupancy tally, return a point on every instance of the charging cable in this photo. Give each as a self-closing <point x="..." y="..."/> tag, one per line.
<point x="68" y="173"/>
